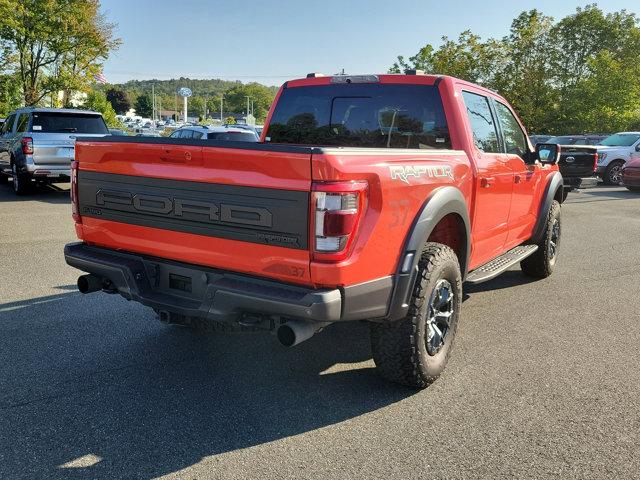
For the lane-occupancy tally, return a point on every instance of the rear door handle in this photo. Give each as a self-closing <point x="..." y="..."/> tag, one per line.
<point x="486" y="182"/>
<point x="517" y="179"/>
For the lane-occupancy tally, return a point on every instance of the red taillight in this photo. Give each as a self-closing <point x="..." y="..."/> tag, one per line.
<point x="74" y="192"/>
<point x="595" y="162"/>
<point x="337" y="208"/>
<point x="27" y="146"/>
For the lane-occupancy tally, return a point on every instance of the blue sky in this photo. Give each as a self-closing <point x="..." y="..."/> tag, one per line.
<point x="272" y="41"/>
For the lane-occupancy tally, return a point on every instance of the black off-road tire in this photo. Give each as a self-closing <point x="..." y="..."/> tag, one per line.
<point x="607" y="176"/>
<point x="634" y="189"/>
<point x="542" y="263"/>
<point x="399" y="348"/>
<point x="21" y="183"/>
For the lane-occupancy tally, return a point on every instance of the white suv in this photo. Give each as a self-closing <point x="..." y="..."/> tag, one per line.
<point x="613" y="153"/>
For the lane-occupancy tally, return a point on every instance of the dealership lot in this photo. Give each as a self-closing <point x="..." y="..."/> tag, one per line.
<point x="544" y="379"/>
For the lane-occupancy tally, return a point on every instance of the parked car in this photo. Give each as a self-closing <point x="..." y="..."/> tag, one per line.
<point x="148" y="133"/>
<point x="118" y="132"/>
<point x="613" y="153"/>
<point x="577" y="139"/>
<point x="535" y="139"/>
<point x="374" y="198"/>
<point x="216" y="133"/>
<point x="631" y="174"/>
<point x="578" y="161"/>
<point x="38" y="144"/>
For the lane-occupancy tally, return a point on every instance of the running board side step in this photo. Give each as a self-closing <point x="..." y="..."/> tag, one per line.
<point x="498" y="265"/>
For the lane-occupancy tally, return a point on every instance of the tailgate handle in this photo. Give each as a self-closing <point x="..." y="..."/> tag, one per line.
<point x="186" y="156"/>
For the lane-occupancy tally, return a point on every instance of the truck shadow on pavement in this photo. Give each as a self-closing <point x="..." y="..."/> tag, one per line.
<point x="97" y="388"/>
<point x="53" y="194"/>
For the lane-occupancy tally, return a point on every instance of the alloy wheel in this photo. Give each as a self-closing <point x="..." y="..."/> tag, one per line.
<point x="439" y="312"/>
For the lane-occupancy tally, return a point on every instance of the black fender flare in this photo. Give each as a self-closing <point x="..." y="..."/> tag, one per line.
<point x="554" y="184"/>
<point x="440" y="203"/>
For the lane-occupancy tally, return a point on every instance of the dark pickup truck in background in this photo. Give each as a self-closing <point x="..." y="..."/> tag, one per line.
<point x="578" y="160"/>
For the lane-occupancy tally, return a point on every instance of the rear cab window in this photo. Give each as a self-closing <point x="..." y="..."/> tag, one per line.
<point x="59" y="122"/>
<point x="361" y="115"/>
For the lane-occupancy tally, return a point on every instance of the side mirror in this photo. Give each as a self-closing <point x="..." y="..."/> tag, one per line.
<point x="638" y="148"/>
<point x="547" y="153"/>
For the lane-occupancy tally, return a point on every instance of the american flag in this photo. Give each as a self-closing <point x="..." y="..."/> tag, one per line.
<point x="100" y="78"/>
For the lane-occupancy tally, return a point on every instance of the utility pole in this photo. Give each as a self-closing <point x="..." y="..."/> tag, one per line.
<point x="248" y="100"/>
<point x="153" y="102"/>
<point x="175" y="97"/>
<point x="221" y="104"/>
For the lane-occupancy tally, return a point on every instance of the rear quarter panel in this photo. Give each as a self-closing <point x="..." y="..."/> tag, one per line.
<point x="393" y="204"/>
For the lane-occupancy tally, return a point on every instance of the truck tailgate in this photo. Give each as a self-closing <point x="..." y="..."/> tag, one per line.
<point x="234" y="206"/>
<point x="577" y="160"/>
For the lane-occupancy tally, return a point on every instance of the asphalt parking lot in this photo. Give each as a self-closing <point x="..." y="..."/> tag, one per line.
<point x="544" y="380"/>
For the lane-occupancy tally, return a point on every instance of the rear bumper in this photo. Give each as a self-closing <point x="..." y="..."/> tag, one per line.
<point x="50" y="172"/>
<point x="211" y="294"/>
<point x="580" y="182"/>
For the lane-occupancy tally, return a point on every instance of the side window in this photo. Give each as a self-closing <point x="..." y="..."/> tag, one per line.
<point x="580" y="141"/>
<point x="485" y="135"/>
<point x="514" y="138"/>
<point x="186" y="134"/>
<point x="197" y="134"/>
<point x="23" y="121"/>
<point x="176" y="134"/>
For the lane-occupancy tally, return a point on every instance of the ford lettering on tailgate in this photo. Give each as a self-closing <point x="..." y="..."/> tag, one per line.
<point x="178" y="207"/>
<point x="251" y="214"/>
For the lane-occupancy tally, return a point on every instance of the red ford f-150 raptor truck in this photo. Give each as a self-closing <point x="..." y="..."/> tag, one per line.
<point x="370" y="197"/>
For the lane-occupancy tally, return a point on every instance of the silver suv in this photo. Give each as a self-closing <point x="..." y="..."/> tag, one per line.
<point x="39" y="144"/>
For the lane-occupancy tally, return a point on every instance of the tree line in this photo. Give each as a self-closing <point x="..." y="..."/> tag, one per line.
<point x="580" y="74"/>
<point x="204" y="103"/>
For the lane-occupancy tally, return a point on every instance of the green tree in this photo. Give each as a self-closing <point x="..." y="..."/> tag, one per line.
<point x="596" y="54"/>
<point x="119" y="100"/>
<point x="143" y="106"/>
<point x="526" y="79"/>
<point x="260" y="97"/>
<point x="55" y="44"/>
<point x="10" y="94"/>
<point x="97" y="101"/>
<point x="578" y="75"/>
<point x="197" y="106"/>
<point x="467" y="57"/>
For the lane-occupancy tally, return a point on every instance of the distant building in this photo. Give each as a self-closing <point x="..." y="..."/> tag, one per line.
<point x="167" y="114"/>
